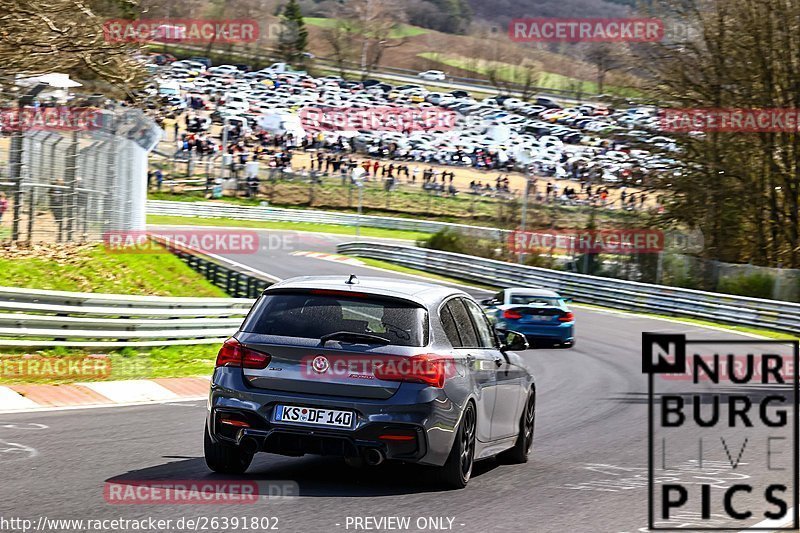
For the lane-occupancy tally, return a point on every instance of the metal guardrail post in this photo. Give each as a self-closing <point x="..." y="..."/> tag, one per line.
<point x="15" y="167"/>
<point x="71" y="180"/>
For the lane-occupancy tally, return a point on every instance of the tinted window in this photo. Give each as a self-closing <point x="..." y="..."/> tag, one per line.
<point x="311" y="316"/>
<point x="481" y="324"/>
<point x="466" y="332"/>
<point x="528" y="299"/>
<point x="450" y="328"/>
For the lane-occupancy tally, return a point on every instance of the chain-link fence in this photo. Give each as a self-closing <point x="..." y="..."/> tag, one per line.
<point x="69" y="182"/>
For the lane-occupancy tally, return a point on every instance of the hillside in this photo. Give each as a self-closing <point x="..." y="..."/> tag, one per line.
<point x="503" y="11"/>
<point x="456" y="16"/>
<point x="473" y="56"/>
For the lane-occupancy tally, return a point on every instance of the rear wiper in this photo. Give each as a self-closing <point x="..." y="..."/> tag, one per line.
<point x="349" y="335"/>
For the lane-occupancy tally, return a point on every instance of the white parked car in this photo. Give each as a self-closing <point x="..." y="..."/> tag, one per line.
<point x="433" y="75"/>
<point x="225" y="70"/>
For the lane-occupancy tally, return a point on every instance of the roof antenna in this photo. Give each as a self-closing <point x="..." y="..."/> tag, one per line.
<point x="353" y="280"/>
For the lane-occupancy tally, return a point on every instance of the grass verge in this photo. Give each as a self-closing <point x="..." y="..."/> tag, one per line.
<point x="287" y="226"/>
<point x="461" y="209"/>
<point x="90" y="268"/>
<point x="405" y="270"/>
<point x="128" y="363"/>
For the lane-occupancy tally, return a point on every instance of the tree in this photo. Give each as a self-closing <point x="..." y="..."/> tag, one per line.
<point x="741" y="189"/>
<point x="339" y="38"/>
<point x="364" y="31"/>
<point x="605" y="58"/>
<point x="64" y="36"/>
<point x="449" y="16"/>
<point x="293" y="37"/>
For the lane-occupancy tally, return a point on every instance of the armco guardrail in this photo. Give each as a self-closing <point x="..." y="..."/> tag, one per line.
<point x="14" y="294"/>
<point x="235" y="279"/>
<point x="618" y="294"/>
<point x="274" y="214"/>
<point x="31" y="318"/>
<point x="36" y="318"/>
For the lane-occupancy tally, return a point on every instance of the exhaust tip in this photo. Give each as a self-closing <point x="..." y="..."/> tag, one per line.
<point x="373" y="457"/>
<point x="249" y="445"/>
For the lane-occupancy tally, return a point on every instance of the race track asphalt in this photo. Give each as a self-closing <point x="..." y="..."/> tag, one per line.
<point x="588" y="471"/>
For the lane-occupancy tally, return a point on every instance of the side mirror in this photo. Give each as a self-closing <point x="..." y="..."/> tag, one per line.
<point x="511" y="341"/>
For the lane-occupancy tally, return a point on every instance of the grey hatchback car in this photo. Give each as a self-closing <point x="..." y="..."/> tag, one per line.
<point x="370" y="370"/>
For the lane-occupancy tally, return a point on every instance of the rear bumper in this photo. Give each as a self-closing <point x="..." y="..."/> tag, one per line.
<point x="560" y="333"/>
<point x="297" y="441"/>
<point x="423" y="412"/>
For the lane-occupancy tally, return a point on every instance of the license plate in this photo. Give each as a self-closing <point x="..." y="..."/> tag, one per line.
<point x="313" y="416"/>
<point x="537" y="318"/>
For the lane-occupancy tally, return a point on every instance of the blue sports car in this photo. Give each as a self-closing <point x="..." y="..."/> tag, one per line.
<point x="539" y="314"/>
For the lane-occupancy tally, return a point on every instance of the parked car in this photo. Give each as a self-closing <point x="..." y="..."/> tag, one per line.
<point x="372" y="370"/>
<point x="225" y="70"/>
<point x="541" y="315"/>
<point x="547" y="102"/>
<point x="433" y="75"/>
<point x="204" y="60"/>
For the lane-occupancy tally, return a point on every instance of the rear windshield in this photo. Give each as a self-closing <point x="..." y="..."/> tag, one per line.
<point x="311" y="316"/>
<point x="527" y="299"/>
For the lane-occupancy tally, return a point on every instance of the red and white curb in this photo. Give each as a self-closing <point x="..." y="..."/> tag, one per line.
<point x="331" y="257"/>
<point x="24" y="397"/>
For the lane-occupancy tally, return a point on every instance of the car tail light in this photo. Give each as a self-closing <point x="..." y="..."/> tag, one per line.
<point x="568" y="317"/>
<point x="511" y="314"/>
<point x="234" y="423"/>
<point x="430" y="369"/>
<point x="397" y="437"/>
<point x="233" y="353"/>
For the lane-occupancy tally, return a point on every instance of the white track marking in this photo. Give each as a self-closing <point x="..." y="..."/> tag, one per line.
<point x="22" y="426"/>
<point x="13" y="401"/>
<point x="104" y="406"/>
<point x="135" y="390"/>
<point x="9" y="449"/>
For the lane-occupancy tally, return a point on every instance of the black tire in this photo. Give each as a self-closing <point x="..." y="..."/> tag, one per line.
<point x="457" y="470"/>
<point x="522" y="447"/>
<point x="224" y="458"/>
